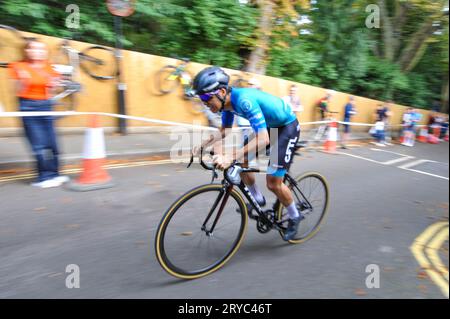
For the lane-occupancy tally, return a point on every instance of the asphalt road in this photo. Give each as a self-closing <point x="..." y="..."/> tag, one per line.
<point x="380" y="203"/>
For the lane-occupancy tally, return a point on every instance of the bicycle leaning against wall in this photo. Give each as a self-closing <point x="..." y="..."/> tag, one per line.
<point x="170" y="77"/>
<point x="97" y="61"/>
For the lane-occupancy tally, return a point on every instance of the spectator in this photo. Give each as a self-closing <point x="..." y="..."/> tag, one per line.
<point x="293" y="100"/>
<point x="444" y="128"/>
<point x="408" y="127"/>
<point x="431" y="122"/>
<point x="387" y="122"/>
<point x="349" y="111"/>
<point x="323" y="105"/>
<point x="438" y="123"/>
<point x="34" y="78"/>
<point x="378" y="129"/>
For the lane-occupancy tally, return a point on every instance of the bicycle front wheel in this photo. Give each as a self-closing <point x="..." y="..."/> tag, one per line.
<point x="11" y="45"/>
<point x="99" y="62"/>
<point x="184" y="248"/>
<point x="311" y="196"/>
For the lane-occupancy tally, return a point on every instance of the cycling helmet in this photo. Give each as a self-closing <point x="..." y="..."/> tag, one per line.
<point x="209" y="80"/>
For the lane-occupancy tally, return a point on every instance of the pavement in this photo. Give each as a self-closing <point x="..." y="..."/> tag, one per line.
<point x="388" y="218"/>
<point x="15" y="151"/>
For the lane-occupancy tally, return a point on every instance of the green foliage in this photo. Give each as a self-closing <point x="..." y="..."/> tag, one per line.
<point x="337" y="51"/>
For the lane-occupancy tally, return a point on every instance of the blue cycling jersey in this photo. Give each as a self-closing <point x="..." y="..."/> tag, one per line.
<point x="263" y="110"/>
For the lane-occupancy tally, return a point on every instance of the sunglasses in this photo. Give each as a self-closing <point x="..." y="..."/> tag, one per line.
<point x="207" y="96"/>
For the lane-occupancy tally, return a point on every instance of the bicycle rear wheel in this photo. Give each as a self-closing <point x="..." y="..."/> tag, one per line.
<point x="11" y="45"/>
<point x="310" y="188"/>
<point x="167" y="79"/>
<point x="183" y="247"/>
<point x="99" y="62"/>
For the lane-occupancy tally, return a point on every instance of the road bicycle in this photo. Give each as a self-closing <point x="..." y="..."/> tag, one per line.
<point x="169" y="77"/>
<point x="205" y="227"/>
<point x="99" y="62"/>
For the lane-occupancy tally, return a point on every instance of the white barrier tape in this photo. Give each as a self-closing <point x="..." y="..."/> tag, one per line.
<point x="389" y="125"/>
<point x="73" y="113"/>
<point x="143" y="119"/>
<point x="313" y="123"/>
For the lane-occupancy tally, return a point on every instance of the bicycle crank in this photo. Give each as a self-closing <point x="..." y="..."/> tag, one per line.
<point x="264" y="225"/>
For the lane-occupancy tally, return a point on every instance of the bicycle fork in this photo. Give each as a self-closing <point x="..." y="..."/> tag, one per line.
<point x="225" y="194"/>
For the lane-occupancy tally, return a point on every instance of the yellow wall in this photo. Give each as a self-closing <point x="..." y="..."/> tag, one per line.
<point x="143" y="100"/>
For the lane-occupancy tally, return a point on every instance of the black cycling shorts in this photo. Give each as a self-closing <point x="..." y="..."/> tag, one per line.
<point x="282" y="147"/>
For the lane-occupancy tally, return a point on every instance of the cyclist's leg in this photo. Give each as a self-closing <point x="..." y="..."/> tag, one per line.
<point x="284" y="194"/>
<point x="275" y="185"/>
<point x="280" y="160"/>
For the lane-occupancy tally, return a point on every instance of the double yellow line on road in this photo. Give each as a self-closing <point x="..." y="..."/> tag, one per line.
<point x="426" y="251"/>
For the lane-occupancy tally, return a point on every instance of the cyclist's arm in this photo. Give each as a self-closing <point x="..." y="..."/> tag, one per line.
<point x="259" y="143"/>
<point x="216" y="138"/>
<point x="253" y="113"/>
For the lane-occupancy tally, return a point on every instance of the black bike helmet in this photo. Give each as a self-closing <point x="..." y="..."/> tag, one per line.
<point x="210" y="79"/>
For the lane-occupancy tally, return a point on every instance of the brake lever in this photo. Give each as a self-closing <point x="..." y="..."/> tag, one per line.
<point x="214" y="175"/>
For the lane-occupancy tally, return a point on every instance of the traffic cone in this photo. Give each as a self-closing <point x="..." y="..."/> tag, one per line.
<point x="437" y="131"/>
<point x="432" y="139"/>
<point x="330" y="143"/>
<point x="94" y="176"/>
<point x="423" y="135"/>
<point x="402" y="138"/>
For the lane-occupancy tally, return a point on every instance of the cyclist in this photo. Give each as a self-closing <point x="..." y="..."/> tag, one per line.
<point x="264" y="111"/>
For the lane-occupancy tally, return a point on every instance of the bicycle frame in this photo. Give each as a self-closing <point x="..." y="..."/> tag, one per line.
<point x="228" y="185"/>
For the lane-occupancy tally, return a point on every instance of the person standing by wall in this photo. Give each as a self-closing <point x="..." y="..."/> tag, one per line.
<point x="378" y="129"/>
<point x="349" y="111"/>
<point x="387" y="116"/>
<point x="33" y="80"/>
<point x="323" y="106"/>
<point x="293" y="100"/>
<point x="408" y="126"/>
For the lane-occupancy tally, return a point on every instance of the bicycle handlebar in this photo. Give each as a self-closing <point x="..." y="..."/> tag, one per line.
<point x="214" y="169"/>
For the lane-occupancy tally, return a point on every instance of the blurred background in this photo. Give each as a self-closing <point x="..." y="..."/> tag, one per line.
<point x="395" y="50"/>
